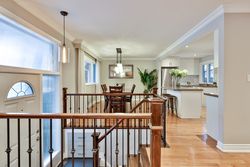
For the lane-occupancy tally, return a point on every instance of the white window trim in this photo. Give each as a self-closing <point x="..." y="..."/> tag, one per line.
<point x="91" y="72"/>
<point x="201" y="64"/>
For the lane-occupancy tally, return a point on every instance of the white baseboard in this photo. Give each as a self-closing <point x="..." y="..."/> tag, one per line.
<point x="239" y="148"/>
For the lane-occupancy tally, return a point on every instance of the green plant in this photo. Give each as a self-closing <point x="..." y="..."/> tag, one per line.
<point x="148" y="79"/>
<point x="177" y="73"/>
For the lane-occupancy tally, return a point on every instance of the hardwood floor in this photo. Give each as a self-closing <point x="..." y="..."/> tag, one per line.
<point x="191" y="147"/>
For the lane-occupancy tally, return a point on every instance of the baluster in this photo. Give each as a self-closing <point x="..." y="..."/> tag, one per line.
<point x="128" y="143"/>
<point x="8" y="149"/>
<point x="111" y="152"/>
<point x="62" y="141"/>
<point x="29" y="151"/>
<point x="105" y="140"/>
<point x="139" y="141"/>
<point x="51" y="143"/>
<point x="18" y="143"/>
<point x="164" y="123"/>
<point x="92" y="103"/>
<point x="79" y="110"/>
<point x="73" y="143"/>
<point x="40" y="143"/>
<point x="123" y="143"/>
<point x="83" y="143"/>
<point x="95" y="103"/>
<point x="117" y="145"/>
<point x="70" y="107"/>
<point x="83" y="104"/>
<point x="134" y="127"/>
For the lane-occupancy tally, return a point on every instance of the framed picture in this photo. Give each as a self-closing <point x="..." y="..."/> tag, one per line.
<point x="127" y="72"/>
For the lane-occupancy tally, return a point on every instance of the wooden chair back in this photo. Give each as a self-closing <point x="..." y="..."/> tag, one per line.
<point x="115" y="89"/>
<point x="104" y="88"/>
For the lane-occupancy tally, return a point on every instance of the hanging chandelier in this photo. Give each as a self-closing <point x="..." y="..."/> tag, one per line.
<point x="64" y="50"/>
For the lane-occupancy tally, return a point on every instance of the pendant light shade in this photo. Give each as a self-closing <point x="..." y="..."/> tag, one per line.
<point x="64" y="50"/>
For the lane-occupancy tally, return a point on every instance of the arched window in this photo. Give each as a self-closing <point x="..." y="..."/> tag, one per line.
<point x="20" y="89"/>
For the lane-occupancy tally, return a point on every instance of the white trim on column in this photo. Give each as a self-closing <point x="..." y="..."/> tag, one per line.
<point x="239" y="148"/>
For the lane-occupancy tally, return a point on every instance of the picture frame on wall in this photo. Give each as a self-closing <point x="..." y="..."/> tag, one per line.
<point x="128" y="71"/>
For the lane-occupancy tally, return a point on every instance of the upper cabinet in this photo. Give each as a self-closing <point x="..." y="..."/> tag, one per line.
<point x="190" y="64"/>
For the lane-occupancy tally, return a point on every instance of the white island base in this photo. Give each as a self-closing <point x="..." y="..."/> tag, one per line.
<point x="189" y="102"/>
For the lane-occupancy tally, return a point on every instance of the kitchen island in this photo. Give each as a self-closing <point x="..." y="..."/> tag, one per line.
<point x="189" y="101"/>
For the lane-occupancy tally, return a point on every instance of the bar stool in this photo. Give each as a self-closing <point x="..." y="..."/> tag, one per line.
<point x="172" y="103"/>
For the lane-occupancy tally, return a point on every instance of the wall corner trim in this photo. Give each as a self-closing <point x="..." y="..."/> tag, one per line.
<point x="237" y="148"/>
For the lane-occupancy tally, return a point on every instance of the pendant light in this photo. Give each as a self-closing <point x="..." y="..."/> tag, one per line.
<point x="64" y="50"/>
<point x="119" y="62"/>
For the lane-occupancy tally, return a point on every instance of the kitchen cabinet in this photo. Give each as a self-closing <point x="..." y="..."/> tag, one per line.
<point x="191" y="65"/>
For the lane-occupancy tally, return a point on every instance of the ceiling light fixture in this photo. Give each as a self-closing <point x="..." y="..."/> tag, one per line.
<point x="186" y="46"/>
<point x="64" y="51"/>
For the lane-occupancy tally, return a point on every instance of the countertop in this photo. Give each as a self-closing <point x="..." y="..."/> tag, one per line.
<point x="201" y="86"/>
<point x="186" y="89"/>
<point x="211" y="94"/>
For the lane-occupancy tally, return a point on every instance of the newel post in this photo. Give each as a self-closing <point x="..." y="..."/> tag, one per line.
<point x="95" y="150"/>
<point x="64" y="100"/>
<point x="156" y="129"/>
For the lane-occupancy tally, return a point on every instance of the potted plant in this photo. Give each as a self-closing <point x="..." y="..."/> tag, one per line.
<point x="177" y="74"/>
<point x="148" y="79"/>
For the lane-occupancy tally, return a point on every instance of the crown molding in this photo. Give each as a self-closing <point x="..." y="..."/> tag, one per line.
<point x="181" y="41"/>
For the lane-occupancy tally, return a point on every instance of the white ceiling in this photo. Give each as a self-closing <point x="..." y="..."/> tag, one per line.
<point x="142" y="28"/>
<point x="198" y="48"/>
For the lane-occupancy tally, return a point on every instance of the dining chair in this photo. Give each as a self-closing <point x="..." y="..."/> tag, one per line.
<point x="106" y="98"/>
<point x="129" y="98"/>
<point x="117" y="102"/>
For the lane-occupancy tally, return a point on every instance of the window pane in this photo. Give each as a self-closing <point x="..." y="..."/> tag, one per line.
<point x="12" y="94"/>
<point x="211" y="73"/>
<point x="20" y="89"/>
<point x="50" y="105"/>
<point x="94" y="73"/>
<point x="19" y="47"/>
<point x="17" y="87"/>
<point x="204" y="73"/>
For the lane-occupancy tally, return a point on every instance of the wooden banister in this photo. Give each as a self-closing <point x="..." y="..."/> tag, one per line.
<point x="77" y="116"/>
<point x="156" y="129"/>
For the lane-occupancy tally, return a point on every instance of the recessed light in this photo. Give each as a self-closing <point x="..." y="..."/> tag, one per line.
<point x="186" y="46"/>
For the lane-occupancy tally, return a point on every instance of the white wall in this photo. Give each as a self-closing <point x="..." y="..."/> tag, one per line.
<point x="236" y="86"/>
<point x="142" y="64"/>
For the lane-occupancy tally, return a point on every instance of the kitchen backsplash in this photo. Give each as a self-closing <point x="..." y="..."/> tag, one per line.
<point x="192" y="79"/>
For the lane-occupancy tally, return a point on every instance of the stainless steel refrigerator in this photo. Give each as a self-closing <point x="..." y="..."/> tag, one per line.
<point x="166" y="79"/>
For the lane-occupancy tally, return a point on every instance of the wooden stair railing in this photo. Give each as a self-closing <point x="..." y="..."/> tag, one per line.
<point x="33" y="118"/>
<point x="158" y="124"/>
